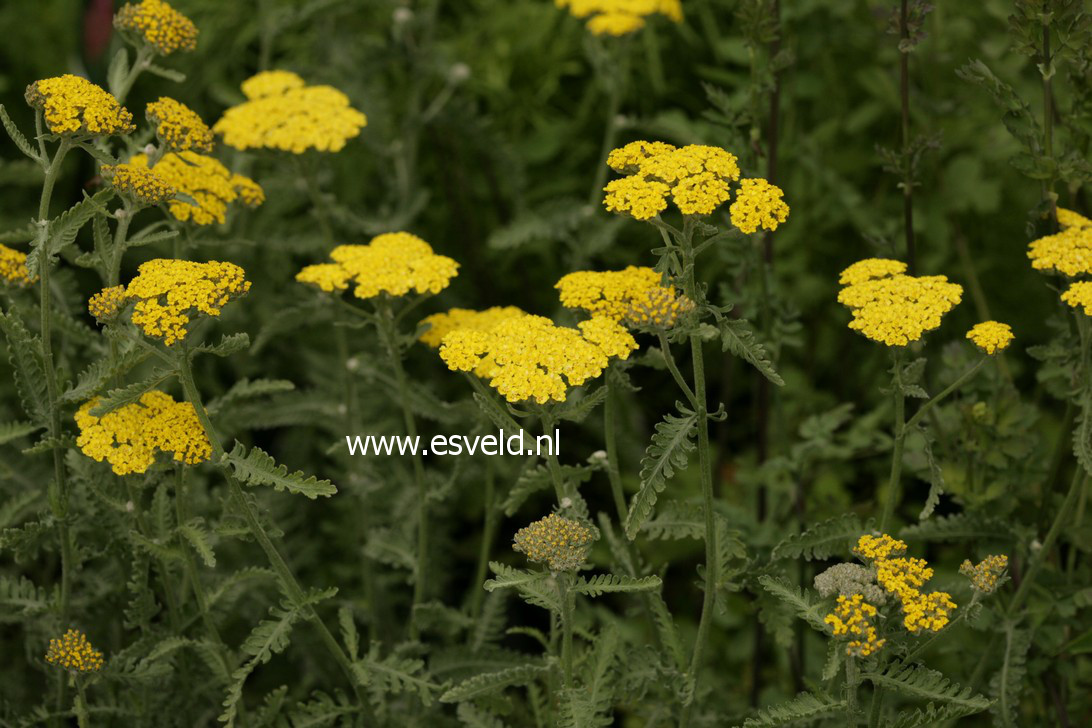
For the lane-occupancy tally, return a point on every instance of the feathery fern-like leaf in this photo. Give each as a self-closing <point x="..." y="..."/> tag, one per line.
<point x="796" y="598"/>
<point x="921" y="682"/>
<point x="259" y="468"/>
<point x="805" y="706"/>
<point x="823" y="540"/>
<point x="494" y="682"/>
<point x="612" y="583"/>
<point x="668" y="451"/>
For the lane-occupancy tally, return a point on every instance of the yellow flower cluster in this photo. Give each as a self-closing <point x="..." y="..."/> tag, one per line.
<point x="442" y="324"/>
<point x="873" y="548"/>
<point x="1079" y="295"/>
<point x="140" y="184"/>
<point x="75" y="106"/>
<point x="853" y="617"/>
<point x="1068" y="252"/>
<point x="129" y="437"/>
<point x="13" y="266"/>
<point x="168" y="293"/>
<point x="697" y="177"/>
<point x="1069" y="218"/>
<point x="560" y="542"/>
<point x="178" y="126"/>
<point x="207" y="182"/>
<point x="758" y="204"/>
<point x="893" y="308"/>
<point x="159" y="25"/>
<point x="991" y="336"/>
<point x="620" y="17"/>
<point x="985" y="575"/>
<point x="394" y="263"/>
<point x="529" y="358"/>
<point x="106" y="304"/>
<point x="930" y="612"/>
<point x="74" y="652"/>
<point x="283" y="113"/>
<point x="870" y="269"/>
<point x="634" y="296"/>
<point x="903" y="577"/>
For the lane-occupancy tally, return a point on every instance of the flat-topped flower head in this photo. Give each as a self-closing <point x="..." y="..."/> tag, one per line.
<point x="283" y="113"/>
<point x="1069" y="218"/>
<point x="1068" y="252"/>
<point x="208" y="186"/>
<point x="1079" y="295"/>
<point x="529" y="358"/>
<point x="442" y="324"/>
<point x="392" y="263"/>
<point x="850" y="579"/>
<point x="107" y="303"/>
<point x="928" y="612"/>
<point x="620" y="17"/>
<point x="991" y="336"/>
<point x="758" y="204"/>
<point x="178" y="126"/>
<point x="72" y="651"/>
<point x="157" y="24"/>
<point x="130" y="436"/>
<point x="893" y="308"/>
<point x="871" y="548"/>
<point x="73" y="106"/>
<point x="852" y="617"/>
<point x="171" y="293"/>
<point x="561" y="543"/>
<point x="986" y="574"/>
<point x="634" y="296"/>
<point x="138" y="184"/>
<point x="13" y="267"/>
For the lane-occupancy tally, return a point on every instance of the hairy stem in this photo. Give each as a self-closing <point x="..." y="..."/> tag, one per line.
<point x="610" y="441"/>
<point x="567" y="599"/>
<point x="904" y="97"/>
<point x="893" y="484"/>
<point x="489" y="528"/>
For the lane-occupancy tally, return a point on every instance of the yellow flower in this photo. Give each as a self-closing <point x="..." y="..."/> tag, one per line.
<point x="634" y="296"/>
<point x="1079" y="295"/>
<point x="985" y="575"/>
<point x="903" y="577"/>
<point x="627" y="159"/>
<point x="1068" y="219"/>
<point x="72" y="651"/>
<point x="530" y="358"/>
<point x="871" y="548"/>
<point x="394" y="263"/>
<point x="283" y="113"/>
<point x="560" y="542"/>
<point x="928" y="612"/>
<point x="852" y="617"/>
<point x="620" y="17"/>
<point x="758" y="204"/>
<point x="1068" y="252"/>
<point x="210" y="186"/>
<point x="159" y="25"/>
<point x="129" y="437"/>
<point x="169" y="293"/>
<point x="991" y="336"/>
<point x="442" y="324"/>
<point x="13" y="266"/>
<point x="140" y="184"/>
<point x="893" y="308"/>
<point x="641" y="198"/>
<point x="73" y="105"/>
<point x="178" y="126"/>
<point x="106" y="304"/>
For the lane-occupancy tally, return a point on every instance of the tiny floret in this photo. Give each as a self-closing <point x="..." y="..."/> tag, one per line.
<point x="392" y="263"/>
<point x="1068" y="252"/>
<point x="634" y="296"/>
<point x="1071" y="219"/>
<point x="758" y="204"/>
<point x="871" y="548"/>
<point x="107" y="303"/>
<point x="620" y="17"/>
<point x="207" y="185"/>
<point x="985" y="576"/>
<point x="852" y="617"/>
<point x="178" y="126"/>
<point x="1079" y="295"/>
<point x="850" y="579"/>
<point x="73" y="106"/>
<point x="561" y="543"/>
<point x="72" y="651"/>
<point x="991" y="336"/>
<point x="138" y="183"/>
<point x="13" y="267"/>
<point x="157" y="24"/>
<point x="442" y="324"/>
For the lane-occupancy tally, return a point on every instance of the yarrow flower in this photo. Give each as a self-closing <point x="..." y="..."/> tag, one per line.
<point x="850" y="579"/>
<point x="891" y="307"/>
<point x="986" y="574"/>
<point x="138" y="183"/>
<point x="852" y="617"/>
<point x="620" y="17"/>
<point x="903" y="578"/>
<point x="442" y="324"/>
<point x="74" y="652"/>
<point x="130" y="436"/>
<point x="13" y="266"/>
<point x="283" y="113"/>
<point x="1069" y="219"/>
<point x="530" y="358"/>
<point x="74" y="106"/>
<point x="635" y="296"/>
<point x="872" y="548"/>
<point x="107" y="303"/>
<point x="1079" y="295"/>
<point x="1068" y="252"/>
<point x="208" y="184"/>
<point x="991" y="336"/>
<point x="178" y="126"/>
<point x="393" y="263"/>
<point x="157" y="24"/>
<point x="758" y="204"/>
<point x="561" y="543"/>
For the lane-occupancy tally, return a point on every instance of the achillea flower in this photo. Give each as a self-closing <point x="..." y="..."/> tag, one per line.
<point x="870" y="269"/>
<point x="758" y="204"/>
<point x="895" y="309"/>
<point x="283" y="113"/>
<point x="903" y="578"/>
<point x="641" y="198"/>
<point x="529" y="358"/>
<point x="560" y="542"/>
<point x="74" y="106"/>
<point x="74" y="652"/>
<point x="871" y="548"/>
<point x="107" y="303"/>
<point x="442" y="324"/>
<point x="986" y="574"/>
<point x="170" y="293"/>
<point x="13" y="267"/>
<point x="138" y="183"/>
<point x="207" y="182"/>
<point x="620" y="17"/>
<point x="850" y="579"/>
<point x="1079" y="295"/>
<point x="1068" y="252"/>
<point x="178" y="126"/>
<point x="130" y="437"/>
<point x="991" y="336"/>
<point x="392" y="263"/>
<point x="634" y="296"/>
<point x="852" y="617"/>
<point x="157" y="24"/>
<point x="927" y="612"/>
<point x="1069" y="218"/>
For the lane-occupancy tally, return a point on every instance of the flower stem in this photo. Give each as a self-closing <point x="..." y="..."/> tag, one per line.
<point x="904" y="97"/>
<point x="853" y="680"/>
<point x="610" y="437"/>
<point x="489" y="529"/>
<point x="567" y="599"/>
<point x="894" y="482"/>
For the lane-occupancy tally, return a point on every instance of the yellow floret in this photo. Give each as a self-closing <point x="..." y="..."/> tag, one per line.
<point x="170" y="293"/>
<point x="1069" y="218"/>
<point x="852" y="617"/>
<point x="72" y="105"/>
<point x="991" y="336"/>
<point x="1068" y="252"/>
<point x="74" y="652"/>
<point x="893" y="308"/>
<point x="634" y="296"/>
<point x="159" y="25"/>
<point x="442" y="324"/>
<point x="985" y="575"/>
<point x="561" y="543"/>
<point x="138" y="183"/>
<point x="178" y="126"/>
<point x="1079" y="295"/>
<point x="106" y="304"/>
<point x="208" y="184"/>
<point x="758" y="204"/>
<point x="13" y="267"/>
<point x="620" y="17"/>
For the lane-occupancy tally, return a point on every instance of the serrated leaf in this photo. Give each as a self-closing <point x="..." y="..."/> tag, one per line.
<point x="99" y="374"/>
<point x="958" y="527"/>
<point x="63" y="229"/>
<point x="578" y="410"/>
<point x="804" y="707"/>
<point x="130" y="393"/>
<point x="738" y="338"/>
<point x="249" y="389"/>
<point x="539" y="478"/>
<point x="14" y="430"/>
<point x="25" y="358"/>
<point x="496" y="413"/>
<point x="229" y="344"/>
<point x="494" y="682"/>
<point x="259" y="468"/>
<point x="200" y="539"/>
<point x="268" y="638"/>
<point x="613" y="583"/>
<point x="668" y="451"/>
<point x="17" y="136"/>
<point x="797" y="599"/>
<point x="821" y="541"/>
<point x="920" y="682"/>
<point x="535" y="587"/>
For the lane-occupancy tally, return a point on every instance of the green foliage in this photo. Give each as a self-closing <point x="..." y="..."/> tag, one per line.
<point x="805" y="706"/>
<point x="259" y="468"/>
<point x="668" y="451"/>
<point x="823" y="540"/>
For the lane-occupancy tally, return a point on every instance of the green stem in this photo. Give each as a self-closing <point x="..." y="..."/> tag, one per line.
<point x="672" y="367"/>
<point x="567" y="599"/>
<point x="1048" y="121"/>
<point x="489" y="528"/>
<point x="894" y="481"/>
<point x="125" y="217"/>
<point x="904" y="98"/>
<point x="181" y="509"/>
<point x="853" y="680"/>
<point x="610" y="437"/>
<point x="552" y="463"/>
<point x="140" y="65"/>
<point x="947" y="628"/>
<point x="963" y="378"/>
<point x="876" y="710"/>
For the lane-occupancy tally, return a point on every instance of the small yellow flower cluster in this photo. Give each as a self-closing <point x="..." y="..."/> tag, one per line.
<point x="873" y="548"/>
<point x="13" y="266"/>
<point x="168" y="293"/>
<point x="891" y="307"/>
<point x="696" y="176"/>
<point x="442" y="324"/>
<point x="73" y="105"/>
<point x="283" y="113"/>
<point x="1068" y="252"/>
<point x="853" y="617"/>
<point x="991" y="336"/>
<point x="985" y="575"/>
<point x="129" y="437"/>
<point x="207" y="182"/>
<point x="758" y="204"/>
<point x="620" y="17"/>
<point x="106" y="304"/>
<point x="634" y="296"/>
<point x="560" y="542"/>
<point x="928" y="612"/>
<point x="74" y="652"/>
<point x="138" y="183"/>
<point x="529" y="358"/>
<point x="903" y="578"/>
<point x="159" y="25"/>
<point x="1079" y="295"/>
<point x="394" y="263"/>
<point x="1069" y="219"/>
<point x="178" y="126"/>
